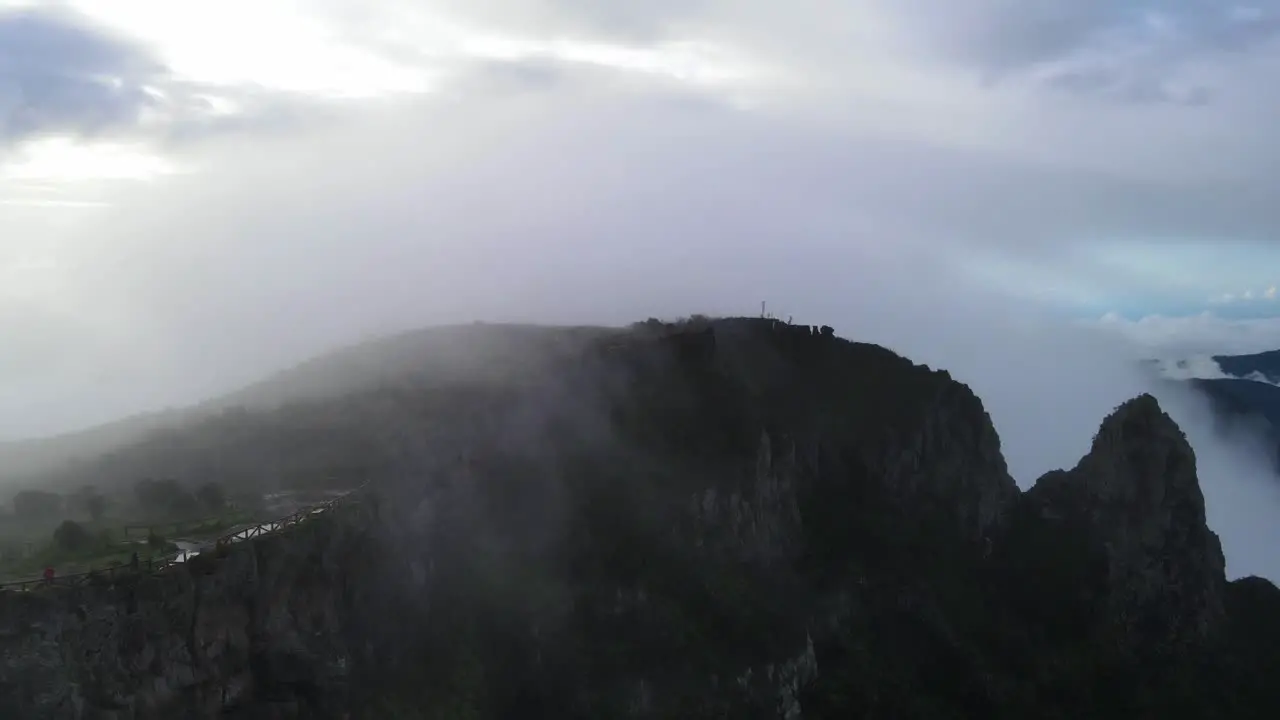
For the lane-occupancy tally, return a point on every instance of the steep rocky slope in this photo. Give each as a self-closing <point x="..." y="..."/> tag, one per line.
<point x="760" y="520"/>
<point x="747" y="519"/>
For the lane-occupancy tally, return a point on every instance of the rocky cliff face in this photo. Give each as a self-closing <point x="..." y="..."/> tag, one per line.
<point x="767" y="521"/>
<point x="261" y="628"/>
<point x="1134" y="503"/>
<point x="740" y="519"/>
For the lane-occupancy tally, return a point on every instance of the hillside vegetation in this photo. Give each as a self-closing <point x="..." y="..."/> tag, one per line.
<point x="328" y="422"/>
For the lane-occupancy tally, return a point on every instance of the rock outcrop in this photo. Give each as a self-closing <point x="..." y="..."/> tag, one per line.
<point x="1134" y="504"/>
<point x="259" y="627"/>
<point x="737" y="518"/>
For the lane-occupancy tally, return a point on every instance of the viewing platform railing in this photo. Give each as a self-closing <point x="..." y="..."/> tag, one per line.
<point x="108" y="575"/>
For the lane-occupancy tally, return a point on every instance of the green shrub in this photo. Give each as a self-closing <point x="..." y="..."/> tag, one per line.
<point x="71" y="536"/>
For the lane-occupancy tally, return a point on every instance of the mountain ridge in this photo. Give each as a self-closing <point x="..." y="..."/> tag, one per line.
<point x="392" y="360"/>
<point x="733" y="518"/>
<point x="1265" y="364"/>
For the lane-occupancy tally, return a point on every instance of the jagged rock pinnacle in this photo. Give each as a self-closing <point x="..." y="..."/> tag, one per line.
<point x="1136" y="499"/>
<point x="1145" y="452"/>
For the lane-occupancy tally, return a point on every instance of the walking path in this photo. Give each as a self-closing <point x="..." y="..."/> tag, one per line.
<point x="187" y="549"/>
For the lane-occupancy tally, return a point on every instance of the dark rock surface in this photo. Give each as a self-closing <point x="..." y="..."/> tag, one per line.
<point x="1134" y="504"/>
<point x="726" y="519"/>
<point x="261" y="626"/>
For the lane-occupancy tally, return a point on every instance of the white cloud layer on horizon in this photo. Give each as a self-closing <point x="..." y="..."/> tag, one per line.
<point x="943" y="178"/>
<point x="1204" y="333"/>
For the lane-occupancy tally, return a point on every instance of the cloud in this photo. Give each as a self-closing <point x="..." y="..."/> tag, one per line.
<point x="1238" y="481"/>
<point x="1203" y="333"/>
<point x="60" y="73"/>
<point x="66" y="75"/>
<point x="1134" y="52"/>
<point x="911" y="173"/>
<point x="568" y="140"/>
<point x="1202" y="367"/>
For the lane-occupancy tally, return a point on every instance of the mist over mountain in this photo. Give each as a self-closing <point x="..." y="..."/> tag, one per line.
<point x="1264" y="366"/>
<point x="1243" y="391"/>
<point x="343" y="416"/>
<point x="738" y="517"/>
<point x="245" y="244"/>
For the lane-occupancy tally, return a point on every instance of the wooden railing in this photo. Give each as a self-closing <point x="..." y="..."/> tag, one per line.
<point x="108" y="575"/>
<point x="253" y="531"/>
<point x="105" y="576"/>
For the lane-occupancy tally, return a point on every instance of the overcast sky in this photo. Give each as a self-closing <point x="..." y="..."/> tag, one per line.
<point x="1029" y="194"/>
<point x="195" y="194"/>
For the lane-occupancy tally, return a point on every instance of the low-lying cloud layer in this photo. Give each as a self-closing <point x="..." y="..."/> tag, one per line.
<point x="1048" y="385"/>
<point x="962" y="182"/>
<point x="1200" y="334"/>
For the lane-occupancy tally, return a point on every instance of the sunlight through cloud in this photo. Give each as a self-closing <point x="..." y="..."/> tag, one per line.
<point x="268" y="44"/>
<point x="64" y="159"/>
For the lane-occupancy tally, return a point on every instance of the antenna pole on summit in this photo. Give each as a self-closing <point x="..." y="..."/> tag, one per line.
<point x="762" y="313"/>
